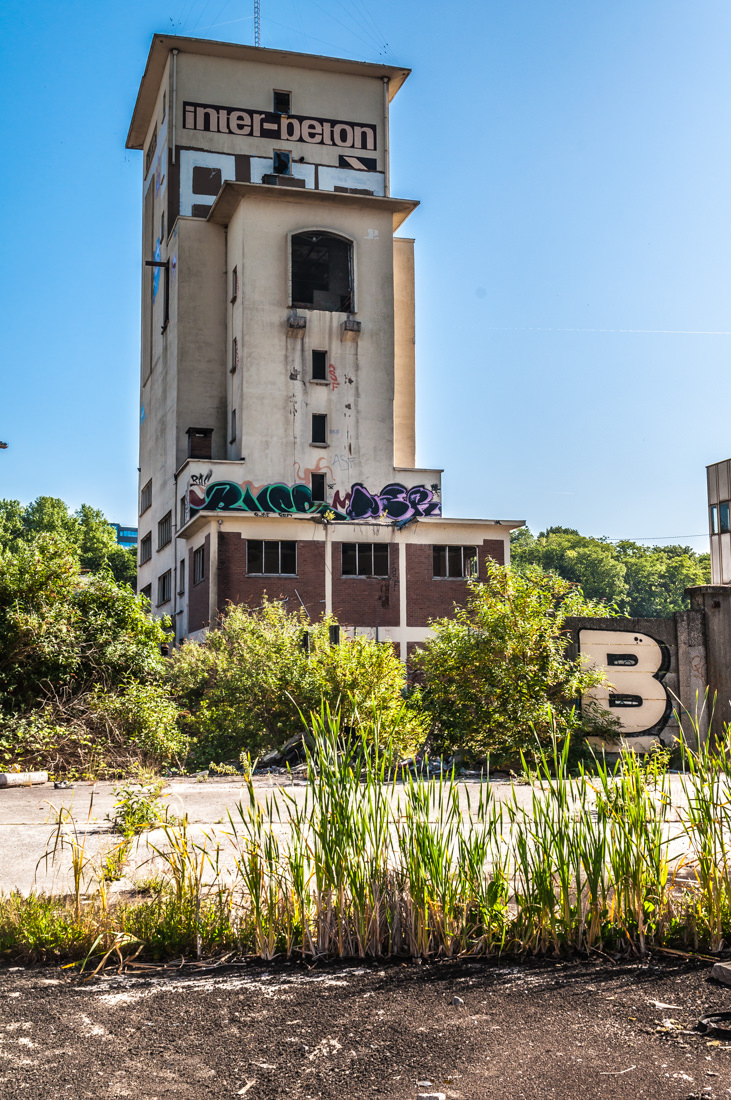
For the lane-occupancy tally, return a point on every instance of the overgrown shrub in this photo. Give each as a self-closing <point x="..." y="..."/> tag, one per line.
<point x="496" y="675"/>
<point x="247" y="685"/>
<point x="147" y="716"/>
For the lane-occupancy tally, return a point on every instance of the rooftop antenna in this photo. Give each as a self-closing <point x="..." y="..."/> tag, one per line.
<point x="257" y="22"/>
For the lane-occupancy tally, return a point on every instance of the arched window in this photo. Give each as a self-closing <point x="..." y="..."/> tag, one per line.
<point x="322" y="272"/>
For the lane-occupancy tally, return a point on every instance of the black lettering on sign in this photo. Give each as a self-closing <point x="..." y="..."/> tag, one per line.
<point x="618" y="699"/>
<point x="622" y="659"/>
<point x="242" y="122"/>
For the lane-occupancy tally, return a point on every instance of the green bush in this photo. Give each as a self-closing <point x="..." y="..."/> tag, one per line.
<point x="496" y="676"/>
<point x="247" y="685"/>
<point x="147" y="716"/>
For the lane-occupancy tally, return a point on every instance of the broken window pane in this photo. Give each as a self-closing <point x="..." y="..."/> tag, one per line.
<point x="281" y="163"/>
<point x="322" y="272"/>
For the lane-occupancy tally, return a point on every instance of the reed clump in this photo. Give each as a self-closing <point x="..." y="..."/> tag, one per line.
<point x="366" y="865"/>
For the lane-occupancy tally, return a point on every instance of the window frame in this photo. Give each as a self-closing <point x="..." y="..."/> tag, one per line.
<point x="314" y="377"/>
<point x="181" y="577"/>
<point x="165" y="531"/>
<point x="234" y="282"/>
<point x="286" y="155"/>
<point x="714" y="519"/>
<point x="165" y="587"/>
<point x="232" y="436"/>
<point x="448" y="551"/>
<point x="364" y="550"/>
<point x="724" y="517"/>
<point x="263" y="543"/>
<point x="318" y="484"/>
<point x="146" y="548"/>
<point x="199" y="564"/>
<point x="275" y="109"/>
<point x="146" y="497"/>
<point x="349" y="306"/>
<point x="234" y="355"/>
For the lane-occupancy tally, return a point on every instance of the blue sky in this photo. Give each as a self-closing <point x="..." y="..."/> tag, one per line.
<point x="573" y="244"/>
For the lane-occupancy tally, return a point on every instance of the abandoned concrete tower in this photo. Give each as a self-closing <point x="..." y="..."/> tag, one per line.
<point x="277" y="436"/>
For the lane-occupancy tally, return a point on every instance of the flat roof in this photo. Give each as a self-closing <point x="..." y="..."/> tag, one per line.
<point x="162" y="44"/>
<point x="232" y="193"/>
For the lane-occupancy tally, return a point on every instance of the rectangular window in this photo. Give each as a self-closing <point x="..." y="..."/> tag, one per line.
<point x="200" y="442"/>
<point x="162" y="226"/>
<point x="147" y="592"/>
<point x="164" y="587"/>
<point x="282" y="102"/>
<point x="723" y="510"/>
<point x="199" y="564"/>
<point x="146" y="497"/>
<point x="181" y="577"/>
<point x="281" y="162"/>
<point x="455" y="561"/>
<point x="234" y="355"/>
<point x="165" y="531"/>
<point x="365" y="559"/>
<point x="268" y="557"/>
<point x="151" y="150"/>
<point x="319" y="366"/>
<point x="183" y="511"/>
<point x="145" y="548"/>
<point x="232" y="438"/>
<point x="164" y="104"/>
<point x="234" y="284"/>
<point x="714" y="519"/>
<point x="319" y="428"/>
<point x="317" y="482"/>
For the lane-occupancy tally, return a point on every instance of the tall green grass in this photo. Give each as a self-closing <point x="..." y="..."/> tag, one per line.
<point x="366" y="865"/>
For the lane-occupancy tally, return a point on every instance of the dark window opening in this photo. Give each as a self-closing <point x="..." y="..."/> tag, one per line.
<point x="271" y="557"/>
<point x="625" y="660"/>
<point x="147" y="592"/>
<point x="200" y="209"/>
<point x="207" y="181"/>
<point x="234" y="355"/>
<point x="234" y="284"/>
<point x="164" y="104"/>
<point x="281" y="163"/>
<point x="164" y="587"/>
<point x="714" y="519"/>
<point x="199" y="564"/>
<point x="319" y="366"/>
<point x="322" y="272"/>
<point x="282" y="102"/>
<point x="364" y="559"/>
<point x="145" y="548"/>
<point x="233" y="426"/>
<point x="151" y="150"/>
<point x="146" y="497"/>
<point x="165" y="531"/>
<point x="723" y="509"/>
<point x="181" y="577"/>
<point x="454" y="561"/>
<point x="200" y="441"/>
<point x="318" y="487"/>
<point x="319" y="428"/>
<point x="183" y="511"/>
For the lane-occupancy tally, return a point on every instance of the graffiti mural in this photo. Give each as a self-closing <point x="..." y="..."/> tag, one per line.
<point x="395" y="501"/>
<point x="636" y="665"/>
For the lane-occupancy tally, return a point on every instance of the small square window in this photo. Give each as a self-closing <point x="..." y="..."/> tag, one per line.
<point x="318" y="487"/>
<point x="234" y="284"/>
<point x="199" y="564"/>
<point x="165" y="530"/>
<point x="723" y="510"/>
<point x="164" y="587"/>
<point x="714" y="519"/>
<point x="233" y="426"/>
<point x="319" y="366"/>
<point x="200" y="442"/>
<point x="282" y="102"/>
<point x="319" y="428"/>
<point x="145" y="548"/>
<point x="281" y="162"/>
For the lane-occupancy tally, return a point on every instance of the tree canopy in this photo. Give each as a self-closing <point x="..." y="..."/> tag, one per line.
<point x="636" y="580"/>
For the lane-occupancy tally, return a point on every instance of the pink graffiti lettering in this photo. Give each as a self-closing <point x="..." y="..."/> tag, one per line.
<point x="333" y="376"/>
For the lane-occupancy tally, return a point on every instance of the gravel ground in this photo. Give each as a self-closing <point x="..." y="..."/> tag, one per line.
<point x="572" y="1031"/>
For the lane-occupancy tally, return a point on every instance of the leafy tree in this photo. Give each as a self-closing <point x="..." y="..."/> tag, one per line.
<point x="642" y="581"/>
<point x="497" y="674"/>
<point x="247" y="685"/>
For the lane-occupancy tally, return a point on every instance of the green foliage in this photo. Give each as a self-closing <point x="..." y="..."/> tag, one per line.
<point x="147" y="717"/>
<point x="248" y="684"/>
<point x="86" y="530"/>
<point x="138" y="808"/>
<point x="497" y="674"/>
<point x="641" y="581"/>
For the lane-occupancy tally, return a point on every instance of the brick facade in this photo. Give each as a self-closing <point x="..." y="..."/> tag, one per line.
<point x="431" y="597"/>
<point x="236" y="587"/>
<point x="199" y="613"/>
<point x="366" y="601"/>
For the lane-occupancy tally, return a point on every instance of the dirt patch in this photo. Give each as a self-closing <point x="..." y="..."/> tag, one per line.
<point x="566" y="1030"/>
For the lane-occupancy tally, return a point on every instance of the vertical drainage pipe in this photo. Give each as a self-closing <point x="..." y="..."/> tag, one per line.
<point x="386" y="169"/>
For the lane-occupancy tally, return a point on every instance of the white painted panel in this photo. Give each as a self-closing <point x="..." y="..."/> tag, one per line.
<point x="716" y="559"/>
<point x="638" y="679"/>
<point x="195" y="158"/>
<point x="330" y="178"/>
<point x="723" y="486"/>
<point x="725" y="559"/>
